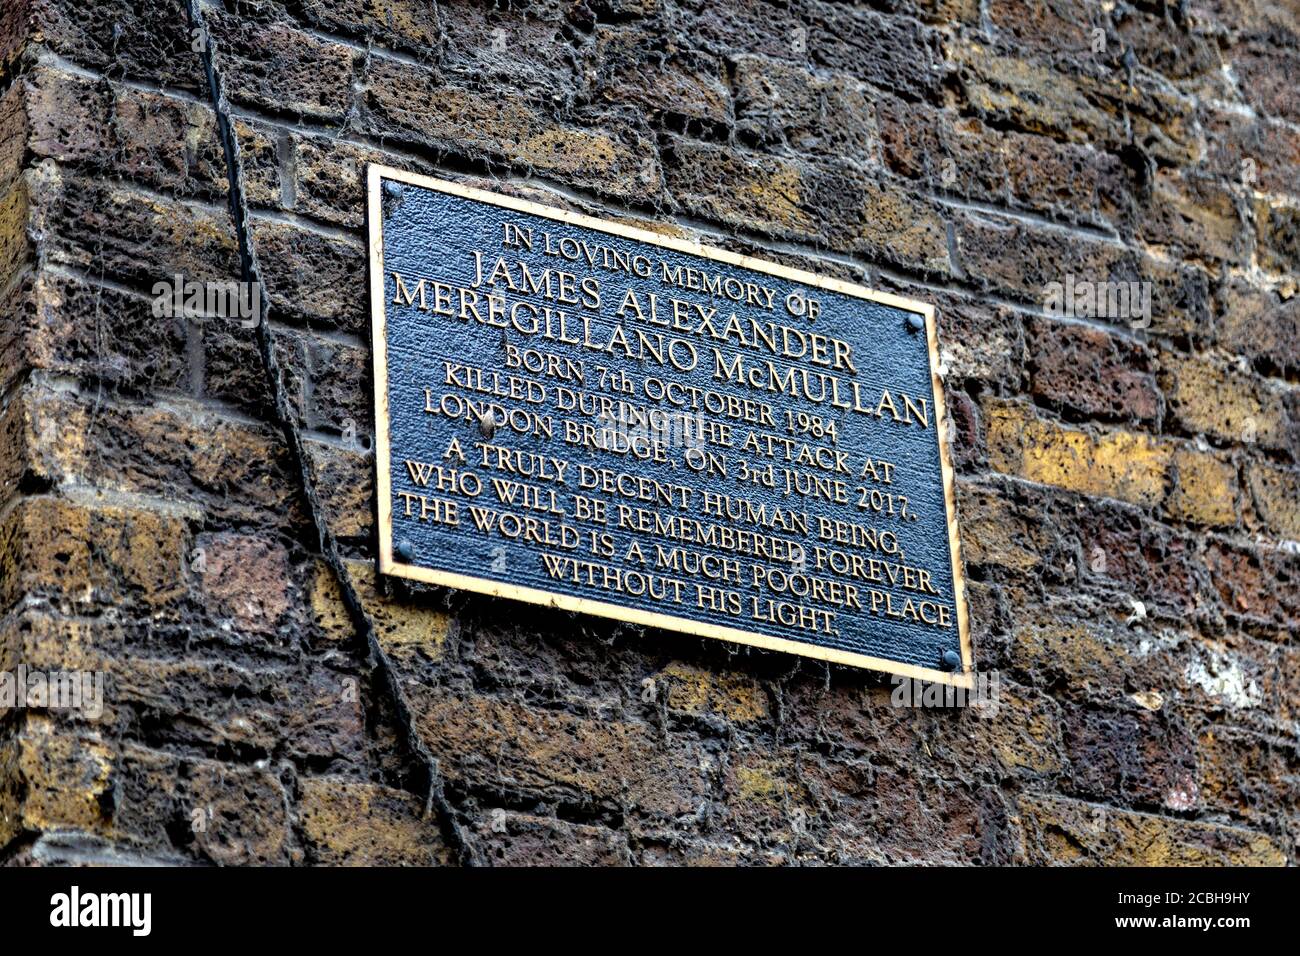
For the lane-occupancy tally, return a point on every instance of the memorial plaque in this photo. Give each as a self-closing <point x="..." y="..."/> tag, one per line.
<point x="580" y="414"/>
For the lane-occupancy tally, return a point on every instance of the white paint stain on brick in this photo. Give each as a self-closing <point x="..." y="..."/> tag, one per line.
<point x="1222" y="677"/>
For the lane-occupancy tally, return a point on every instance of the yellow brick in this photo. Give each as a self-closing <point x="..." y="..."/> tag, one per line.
<point x="352" y="823"/>
<point x="327" y="607"/>
<point x="401" y="628"/>
<point x="1116" y="464"/>
<point x="1061" y="830"/>
<point x="991" y="534"/>
<point x="1276" y="493"/>
<point x="762" y="782"/>
<point x="1024" y="733"/>
<point x="1223" y="403"/>
<point x="15" y="207"/>
<point x="696" y="691"/>
<point x="84" y="553"/>
<point x="64" y="779"/>
<point x="1205" y="488"/>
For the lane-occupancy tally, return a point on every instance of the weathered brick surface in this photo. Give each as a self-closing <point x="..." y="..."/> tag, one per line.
<point x="1128" y="491"/>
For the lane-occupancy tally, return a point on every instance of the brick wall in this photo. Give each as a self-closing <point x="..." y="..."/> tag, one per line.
<point x="200" y="528"/>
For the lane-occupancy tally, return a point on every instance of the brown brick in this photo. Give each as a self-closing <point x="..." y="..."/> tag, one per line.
<point x="923" y="144"/>
<point x="611" y="157"/>
<point x="15" y="132"/>
<point x="1093" y="654"/>
<point x="1022" y="732"/>
<point x="1051" y="27"/>
<point x="746" y="191"/>
<point x="312" y="276"/>
<point x="16" y="247"/>
<point x="1245" y="775"/>
<point x="882" y="815"/>
<point x="133" y="238"/>
<point x="1172" y="45"/>
<point x="47" y="641"/>
<point x="781" y="104"/>
<point x="251" y="709"/>
<point x="244" y="578"/>
<point x="330" y="179"/>
<point x="1194" y="219"/>
<point x="16" y="29"/>
<point x="1076" y="183"/>
<point x="485" y="742"/>
<point x="162" y="142"/>
<point x="1266" y="74"/>
<point x="330" y="379"/>
<point x="311" y="77"/>
<point x="1006" y="90"/>
<point x="403" y="24"/>
<point x="124" y="40"/>
<point x="1131" y="755"/>
<point x="409" y="632"/>
<point x="184" y="453"/>
<point x="1254" y="151"/>
<point x="1259" y="586"/>
<point x="682" y="87"/>
<point x="1277" y="236"/>
<point x="231" y="369"/>
<point x="746" y="26"/>
<point x="766" y="796"/>
<point x="1088" y="371"/>
<point x="18" y="308"/>
<point x="996" y="531"/>
<point x="1025" y="261"/>
<point x="246" y="816"/>
<point x="206" y="810"/>
<point x="776" y="197"/>
<point x="62" y="780"/>
<point x="520" y="839"/>
<point x="1097" y="107"/>
<point x="345" y="489"/>
<point x="892" y="53"/>
<point x="978" y="341"/>
<point x="1261" y="326"/>
<point x="1119" y="546"/>
<point x="507" y="46"/>
<point x="94" y="331"/>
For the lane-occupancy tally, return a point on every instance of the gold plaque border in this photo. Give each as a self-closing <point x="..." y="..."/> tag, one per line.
<point x="383" y="489"/>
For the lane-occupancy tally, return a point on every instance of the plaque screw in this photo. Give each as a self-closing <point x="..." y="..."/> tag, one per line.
<point x="951" y="660"/>
<point x="915" y="321"/>
<point x="392" y="190"/>
<point x="404" y="550"/>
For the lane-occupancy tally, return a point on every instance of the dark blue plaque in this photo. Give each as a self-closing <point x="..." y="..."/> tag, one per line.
<point x="576" y="413"/>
